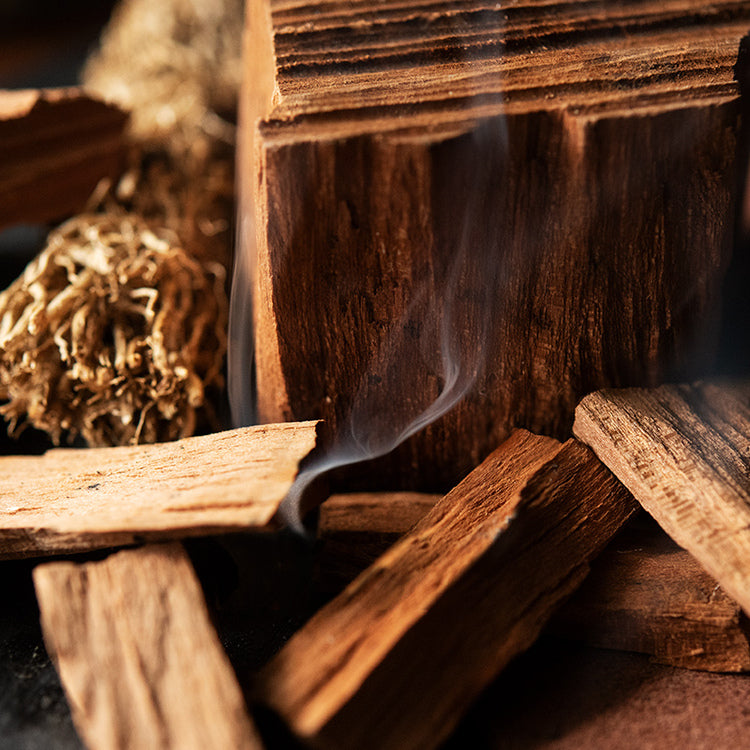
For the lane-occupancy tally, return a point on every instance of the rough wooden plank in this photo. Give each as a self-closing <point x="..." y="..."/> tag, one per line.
<point x="684" y="452"/>
<point x="399" y="655"/>
<point x="70" y="500"/>
<point x="55" y="146"/>
<point x="646" y="594"/>
<point x="552" y="122"/>
<point x="138" y="657"/>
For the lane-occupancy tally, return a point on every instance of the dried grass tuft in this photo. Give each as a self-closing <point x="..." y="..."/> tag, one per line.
<point x="113" y="332"/>
<point x="176" y="66"/>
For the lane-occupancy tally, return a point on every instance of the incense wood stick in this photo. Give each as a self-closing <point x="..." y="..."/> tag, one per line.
<point x="400" y="654"/>
<point x="646" y="594"/>
<point x="139" y="660"/>
<point x="72" y="500"/>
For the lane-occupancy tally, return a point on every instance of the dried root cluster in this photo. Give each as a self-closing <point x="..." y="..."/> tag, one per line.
<point x="114" y="332"/>
<point x="176" y="66"/>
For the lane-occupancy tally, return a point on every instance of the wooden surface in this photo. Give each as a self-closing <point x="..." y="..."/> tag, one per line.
<point x="137" y="654"/>
<point x="593" y="149"/>
<point x="391" y="513"/>
<point x="76" y="499"/>
<point x="684" y="452"/>
<point x="398" y="657"/>
<point x="646" y="594"/>
<point x="55" y="146"/>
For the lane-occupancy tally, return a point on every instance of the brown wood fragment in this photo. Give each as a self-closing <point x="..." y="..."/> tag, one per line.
<point x="684" y="452"/>
<point x="553" y="123"/>
<point x="55" y="146"/>
<point x="138" y="657"/>
<point x="399" y="655"/>
<point x="71" y="500"/>
<point x="354" y="529"/>
<point x="646" y="594"/>
<point x="390" y="513"/>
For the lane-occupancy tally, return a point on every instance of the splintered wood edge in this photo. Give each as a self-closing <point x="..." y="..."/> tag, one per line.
<point x="72" y="500"/>
<point x="431" y="602"/>
<point x="137" y="655"/>
<point x="686" y="468"/>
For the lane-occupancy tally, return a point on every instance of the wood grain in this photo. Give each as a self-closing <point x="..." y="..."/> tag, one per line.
<point x="577" y="160"/>
<point x="71" y="500"/>
<point x="646" y="594"/>
<point x="400" y="654"/>
<point x="138" y="657"/>
<point x="55" y="146"/>
<point x="684" y="452"/>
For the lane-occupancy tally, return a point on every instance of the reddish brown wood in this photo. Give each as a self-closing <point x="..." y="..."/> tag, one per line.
<point x="646" y="594"/>
<point x="401" y="653"/>
<point x="579" y="157"/>
<point x="55" y="146"/>
<point x="683" y="451"/>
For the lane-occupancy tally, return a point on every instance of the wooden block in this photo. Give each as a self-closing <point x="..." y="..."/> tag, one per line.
<point x="554" y="186"/>
<point x="684" y="452"/>
<point x="401" y="653"/>
<point x="646" y="594"/>
<point x="71" y="500"/>
<point x="138" y="657"/>
<point x="55" y="146"/>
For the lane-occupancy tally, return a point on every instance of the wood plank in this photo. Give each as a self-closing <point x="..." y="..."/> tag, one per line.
<point x="55" y="146"/>
<point x="552" y="121"/>
<point x="71" y="500"/>
<point x="138" y="657"/>
<point x="684" y="452"/>
<point x="396" y="659"/>
<point x="646" y="594"/>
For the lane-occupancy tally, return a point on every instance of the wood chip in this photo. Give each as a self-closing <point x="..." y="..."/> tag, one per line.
<point x="646" y="594"/>
<point x="71" y="500"/>
<point x="684" y="452"/>
<point x="401" y="653"/>
<point x="139" y="660"/>
<point x="55" y="146"/>
<point x="354" y="529"/>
